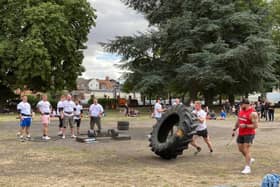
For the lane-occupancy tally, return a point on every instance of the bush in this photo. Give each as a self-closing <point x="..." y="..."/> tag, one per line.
<point x="33" y="100"/>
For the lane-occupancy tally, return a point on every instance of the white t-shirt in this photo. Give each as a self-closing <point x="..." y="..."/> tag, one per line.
<point x="175" y="104"/>
<point x="201" y="114"/>
<point x="44" y="106"/>
<point x="156" y="113"/>
<point x="58" y="106"/>
<point x="95" y="110"/>
<point x="24" y="108"/>
<point x="77" y="112"/>
<point x="68" y="107"/>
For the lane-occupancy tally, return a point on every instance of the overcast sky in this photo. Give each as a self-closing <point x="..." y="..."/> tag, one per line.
<point x="114" y="19"/>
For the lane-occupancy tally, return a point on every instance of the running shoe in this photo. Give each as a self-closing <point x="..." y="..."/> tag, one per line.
<point x="46" y="138"/>
<point x="60" y="133"/>
<point x="246" y="170"/>
<point x="73" y="136"/>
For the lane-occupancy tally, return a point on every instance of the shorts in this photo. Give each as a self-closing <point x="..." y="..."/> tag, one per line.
<point x="203" y="133"/>
<point x="78" y="122"/>
<point x="26" y="122"/>
<point x="45" y="119"/>
<point x="68" y="120"/>
<point x="245" y="139"/>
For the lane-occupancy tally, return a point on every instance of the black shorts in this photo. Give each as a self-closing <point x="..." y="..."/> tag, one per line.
<point x="78" y="122"/>
<point x="245" y="139"/>
<point x="203" y="133"/>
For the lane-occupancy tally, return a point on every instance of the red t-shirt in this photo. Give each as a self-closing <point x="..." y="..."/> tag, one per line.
<point x="244" y="118"/>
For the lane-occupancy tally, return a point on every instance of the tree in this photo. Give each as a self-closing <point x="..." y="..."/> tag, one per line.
<point x="145" y="73"/>
<point x="211" y="47"/>
<point x="42" y="42"/>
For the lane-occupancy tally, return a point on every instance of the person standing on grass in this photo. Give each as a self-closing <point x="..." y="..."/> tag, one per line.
<point x="95" y="112"/>
<point x="158" y="110"/>
<point x="78" y="114"/>
<point x="271" y="112"/>
<point x="67" y="114"/>
<point x="25" y="116"/>
<point x="201" y="129"/>
<point x="247" y="123"/>
<point x="44" y="108"/>
<point x="177" y="102"/>
<point x="266" y="107"/>
<point x="59" y="110"/>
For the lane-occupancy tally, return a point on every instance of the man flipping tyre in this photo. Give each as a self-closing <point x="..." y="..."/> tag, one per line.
<point x="247" y="123"/>
<point x="201" y="129"/>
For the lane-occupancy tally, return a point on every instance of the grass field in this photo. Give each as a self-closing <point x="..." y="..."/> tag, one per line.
<point x="131" y="163"/>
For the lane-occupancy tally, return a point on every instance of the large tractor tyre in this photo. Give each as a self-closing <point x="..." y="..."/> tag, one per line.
<point x="123" y="125"/>
<point x="173" y="132"/>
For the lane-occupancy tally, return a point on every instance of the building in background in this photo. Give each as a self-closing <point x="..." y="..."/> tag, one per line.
<point x="101" y="88"/>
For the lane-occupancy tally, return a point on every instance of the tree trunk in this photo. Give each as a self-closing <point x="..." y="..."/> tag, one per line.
<point x="183" y="98"/>
<point x="193" y="95"/>
<point x="231" y="99"/>
<point x="208" y="100"/>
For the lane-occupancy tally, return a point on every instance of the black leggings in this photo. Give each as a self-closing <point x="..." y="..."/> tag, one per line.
<point x="78" y="122"/>
<point x="60" y="122"/>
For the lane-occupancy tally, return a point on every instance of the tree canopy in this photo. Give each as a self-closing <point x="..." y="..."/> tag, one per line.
<point x="42" y="42"/>
<point x="206" y="47"/>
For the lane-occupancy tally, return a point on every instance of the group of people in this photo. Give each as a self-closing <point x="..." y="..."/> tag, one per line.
<point x="265" y="110"/>
<point x="69" y="113"/>
<point x="246" y="125"/>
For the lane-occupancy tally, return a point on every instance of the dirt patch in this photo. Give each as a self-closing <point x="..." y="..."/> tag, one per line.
<point x="131" y="163"/>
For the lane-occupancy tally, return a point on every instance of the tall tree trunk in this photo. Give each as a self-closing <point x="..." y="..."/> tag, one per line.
<point x="183" y="98"/>
<point x="208" y="99"/>
<point x="193" y="95"/>
<point x="231" y="99"/>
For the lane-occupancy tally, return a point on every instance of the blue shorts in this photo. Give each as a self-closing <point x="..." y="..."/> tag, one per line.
<point x="26" y="122"/>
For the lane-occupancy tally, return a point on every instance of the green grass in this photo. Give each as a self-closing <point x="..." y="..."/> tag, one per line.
<point x="8" y="117"/>
<point x="110" y="115"/>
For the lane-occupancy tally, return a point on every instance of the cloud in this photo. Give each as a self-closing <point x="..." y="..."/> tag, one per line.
<point x="114" y="19"/>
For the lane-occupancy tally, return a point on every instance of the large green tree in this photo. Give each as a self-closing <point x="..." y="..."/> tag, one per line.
<point x="211" y="47"/>
<point x="42" y="42"/>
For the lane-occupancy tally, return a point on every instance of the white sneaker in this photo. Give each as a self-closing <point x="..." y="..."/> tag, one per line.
<point x="28" y="136"/>
<point x="60" y="133"/>
<point x="252" y="161"/>
<point x="18" y="134"/>
<point x="246" y="170"/>
<point x="63" y="137"/>
<point x="73" y="136"/>
<point x="21" y="136"/>
<point x="45" y="138"/>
